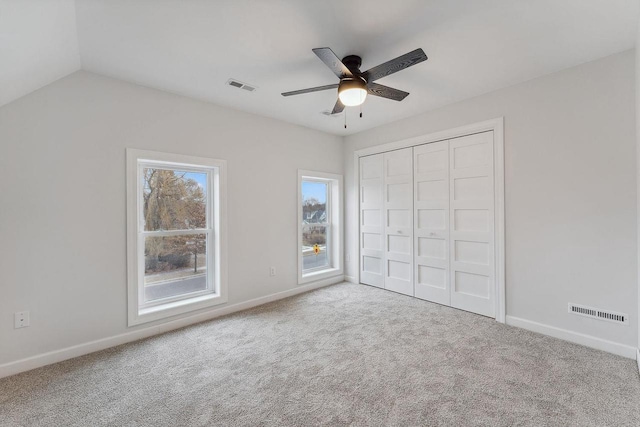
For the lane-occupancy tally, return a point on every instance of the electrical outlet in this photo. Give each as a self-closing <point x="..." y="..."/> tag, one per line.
<point x="272" y="271"/>
<point x="21" y="319"/>
<point x="348" y="258"/>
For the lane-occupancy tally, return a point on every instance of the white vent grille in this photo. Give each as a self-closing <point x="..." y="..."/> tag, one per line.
<point x="328" y="114"/>
<point x="241" y="85"/>
<point x="596" y="313"/>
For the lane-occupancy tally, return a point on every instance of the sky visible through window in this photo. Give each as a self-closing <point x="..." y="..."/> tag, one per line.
<point x="315" y="190"/>
<point x="200" y="178"/>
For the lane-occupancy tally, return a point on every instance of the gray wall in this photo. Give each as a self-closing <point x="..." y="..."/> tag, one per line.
<point x="570" y="178"/>
<point x="62" y="216"/>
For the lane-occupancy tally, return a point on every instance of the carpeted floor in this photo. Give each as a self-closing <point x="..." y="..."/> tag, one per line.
<point x="342" y="355"/>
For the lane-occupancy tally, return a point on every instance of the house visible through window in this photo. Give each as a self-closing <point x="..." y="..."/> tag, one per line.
<point x="316" y="225"/>
<point x="320" y="231"/>
<point x="174" y="243"/>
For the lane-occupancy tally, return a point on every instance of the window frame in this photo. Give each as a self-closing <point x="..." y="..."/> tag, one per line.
<point x="216" y="292"/>
<point x="334" y="226"/>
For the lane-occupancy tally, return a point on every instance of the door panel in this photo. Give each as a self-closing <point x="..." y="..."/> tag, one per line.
<point x="371" y="221"/>
<point x="398" y="212"/>
<point x="431" y="228"/>
<point x="427" y="222"/>
<point x="472" y="223"/>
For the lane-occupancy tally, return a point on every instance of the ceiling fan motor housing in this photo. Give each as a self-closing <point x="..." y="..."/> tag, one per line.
<point x="353" y="63"/>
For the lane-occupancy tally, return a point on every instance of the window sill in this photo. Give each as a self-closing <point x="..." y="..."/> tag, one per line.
<point x="175" y="308"/>
<point x="319" y="275"/>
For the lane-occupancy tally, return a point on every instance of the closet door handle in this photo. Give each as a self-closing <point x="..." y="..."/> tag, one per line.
<point x="399" y="231"/>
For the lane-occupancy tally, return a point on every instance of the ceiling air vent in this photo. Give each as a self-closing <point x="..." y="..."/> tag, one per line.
<point x="596" y="313"/>
<point x="240" y="85"/>
<point x="328" y="113"/>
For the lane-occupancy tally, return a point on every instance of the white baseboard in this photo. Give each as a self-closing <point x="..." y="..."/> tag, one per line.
<point x="350" y="279"/>
<point x="574" y="337"/>
<point x="55" y="356"/>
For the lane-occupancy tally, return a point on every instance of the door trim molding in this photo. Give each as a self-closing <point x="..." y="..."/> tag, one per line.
<point x="497" y="126"/>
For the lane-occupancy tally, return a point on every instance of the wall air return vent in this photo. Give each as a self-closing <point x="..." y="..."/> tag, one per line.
<point x="596" y="313"/>
<point x="240" y="85"/>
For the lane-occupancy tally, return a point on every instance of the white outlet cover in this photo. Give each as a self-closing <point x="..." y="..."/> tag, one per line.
<point x="21" y="319"/>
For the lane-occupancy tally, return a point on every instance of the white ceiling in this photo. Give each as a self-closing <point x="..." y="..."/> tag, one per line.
<point x="193" y="47"/>
<point x="38" y="44"/>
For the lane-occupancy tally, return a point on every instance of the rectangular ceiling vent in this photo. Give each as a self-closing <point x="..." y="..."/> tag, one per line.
<point x="596" y="313"/>
<point x="328" y="113"/>
<point x="240" y="85"/>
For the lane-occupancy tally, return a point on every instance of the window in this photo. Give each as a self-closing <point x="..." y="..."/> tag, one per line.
<point x="320" y="226"/>
<point x="175" y="217"/>
<point x="316" y="225"/>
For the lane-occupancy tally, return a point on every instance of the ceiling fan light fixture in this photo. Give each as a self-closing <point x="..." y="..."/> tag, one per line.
<point x="355" y="84"/>
<point x="352" y="91"/>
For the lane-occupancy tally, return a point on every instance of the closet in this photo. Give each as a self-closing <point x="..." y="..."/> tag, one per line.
<point x="427" y="222"/>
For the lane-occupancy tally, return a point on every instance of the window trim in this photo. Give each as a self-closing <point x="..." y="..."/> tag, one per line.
<point x="216" y="236"/>
<point x="336" y="228"/>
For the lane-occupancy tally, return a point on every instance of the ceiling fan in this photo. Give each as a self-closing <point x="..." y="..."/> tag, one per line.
<point x="355" y="84"/>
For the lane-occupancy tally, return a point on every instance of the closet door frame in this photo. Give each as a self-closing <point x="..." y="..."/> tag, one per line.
<point x="495" y="125"/>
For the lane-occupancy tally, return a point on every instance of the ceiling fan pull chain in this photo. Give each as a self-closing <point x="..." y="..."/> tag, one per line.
<point x="360" y="110"/>
<point x="345" y="119"/>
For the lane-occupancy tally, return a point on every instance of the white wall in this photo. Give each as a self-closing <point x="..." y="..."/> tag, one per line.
<point x="570" y="197"/>
<point x="62" y="216"/>
<point x="638" y="173"/>
<point x="38" y="45"/>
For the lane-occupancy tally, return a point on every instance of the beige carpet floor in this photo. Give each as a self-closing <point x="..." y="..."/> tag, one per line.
<point x="342" y="355"/>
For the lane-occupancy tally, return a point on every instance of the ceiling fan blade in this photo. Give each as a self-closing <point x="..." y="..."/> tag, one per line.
<point x="395" y="65"/>
<point x="311" y="89"/>
<point x="338" y="108"/>
<point x="330" y="59"/>
<point x="386" y="92"/>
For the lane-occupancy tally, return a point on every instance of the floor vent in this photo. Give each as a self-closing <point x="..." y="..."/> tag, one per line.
<point x="595" y="313"/>
<point x="240" y="85"/>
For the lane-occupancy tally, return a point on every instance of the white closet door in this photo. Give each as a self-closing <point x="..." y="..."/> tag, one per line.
<point x="431" y="222"/>
<point x="398" y="220"/>
<point x="472" y="223"/>
<point x="371" y="221"/>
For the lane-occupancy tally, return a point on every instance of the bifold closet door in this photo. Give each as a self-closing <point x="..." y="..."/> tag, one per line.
<point x="431" y="221"/>
<point x="371" y="221"/>
<point x="472" y="223"/>
<point x="398" y="220"/>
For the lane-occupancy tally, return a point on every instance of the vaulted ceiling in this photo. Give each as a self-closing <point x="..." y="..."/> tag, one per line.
<point x="38" y="45"/>
<point x="192" y="47"/>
